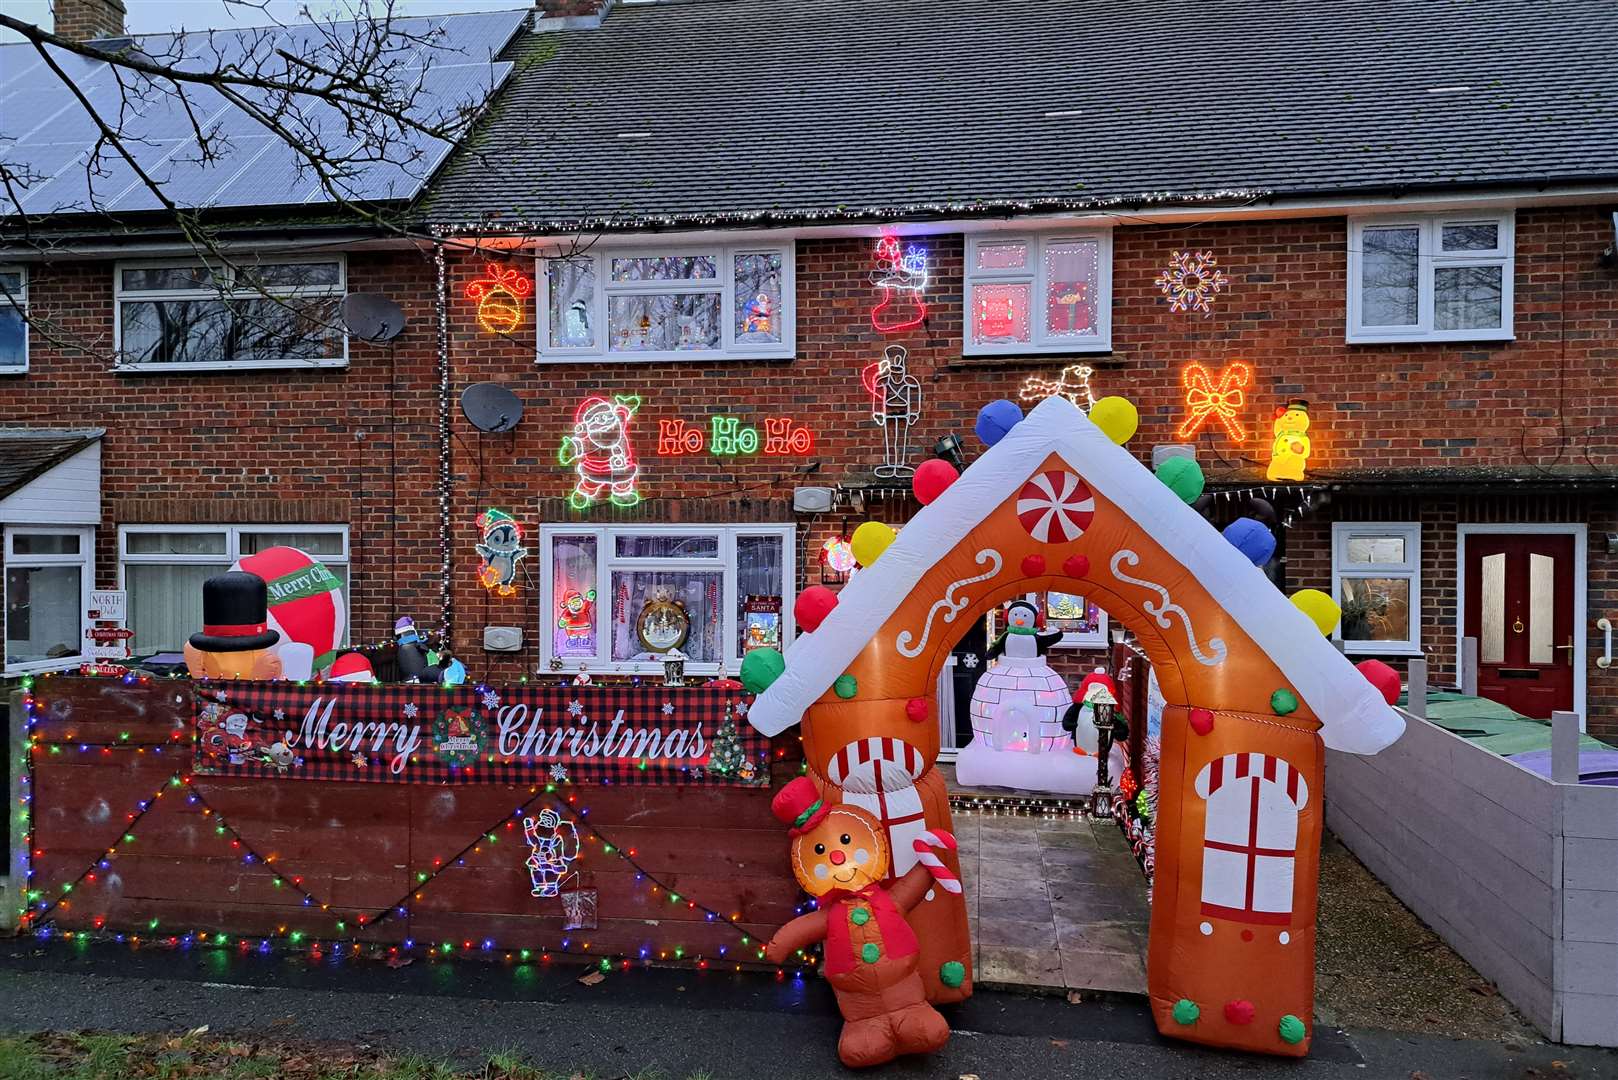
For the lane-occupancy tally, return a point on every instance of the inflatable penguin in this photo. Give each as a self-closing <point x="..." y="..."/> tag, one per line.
<point x="1018" y="709"/>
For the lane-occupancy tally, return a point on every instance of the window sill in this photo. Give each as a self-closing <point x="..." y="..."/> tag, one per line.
<point x="1381" y="648"/>
<point x="41" y="667"/>
<point x="550" y="359"/>
<point x="1009" y="352"/>
<point x="14" y="370"/>
<point x="238" y="365"/>
<point x="1447" y="338"/>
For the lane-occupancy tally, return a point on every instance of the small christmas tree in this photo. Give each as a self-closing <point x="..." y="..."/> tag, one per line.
<point x="725" y="757"/>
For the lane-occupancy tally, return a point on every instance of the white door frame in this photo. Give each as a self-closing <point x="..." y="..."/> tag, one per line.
<point x="1581" y="592"/>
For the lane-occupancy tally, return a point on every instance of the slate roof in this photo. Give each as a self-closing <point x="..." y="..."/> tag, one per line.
<point x="778" y="110"/>
<point x="26" y="453"/>
<point x="446" y="62"/>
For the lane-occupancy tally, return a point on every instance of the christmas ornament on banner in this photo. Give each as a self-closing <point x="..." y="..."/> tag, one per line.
<point x="306" y="607"/>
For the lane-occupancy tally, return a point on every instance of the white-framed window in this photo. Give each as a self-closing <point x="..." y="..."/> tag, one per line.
<point x="1431" y="277"/>
<point x="13" y="320"/>
<point x="49" y="572"/>
<point x="1376" y="568"/>
<point x="616" y="599"/>
<point x="162" y="567"/>
<point x="695" y="302"/>
<point x="1082" y="622"/>
<point x="1047" y="293"/>
<point x="278" y="312"/>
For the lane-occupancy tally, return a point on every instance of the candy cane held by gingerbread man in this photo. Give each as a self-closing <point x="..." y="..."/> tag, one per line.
<point x="840" y="856"/>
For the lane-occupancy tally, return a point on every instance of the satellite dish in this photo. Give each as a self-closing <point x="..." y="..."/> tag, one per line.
<point x="372" y="318"/>
<point x="488" y="406"/>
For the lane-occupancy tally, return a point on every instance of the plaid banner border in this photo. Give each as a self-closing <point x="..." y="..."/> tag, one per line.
<point x="421" y="734"/>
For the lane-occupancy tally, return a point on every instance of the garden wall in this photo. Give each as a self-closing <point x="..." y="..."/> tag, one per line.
<point x="1517" y="873"/>
<point x="358" y="849"/>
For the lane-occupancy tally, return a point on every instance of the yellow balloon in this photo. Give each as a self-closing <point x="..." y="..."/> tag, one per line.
<point x="1117" y="418"/>
<point x="1321" y="609"/>
<point x="870" y="540"/>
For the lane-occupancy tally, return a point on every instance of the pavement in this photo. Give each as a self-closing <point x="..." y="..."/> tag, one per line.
<point x="1054" y="902"/>
<point x="731" y="1026"/>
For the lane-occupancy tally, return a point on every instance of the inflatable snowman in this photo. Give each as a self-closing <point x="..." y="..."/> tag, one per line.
<point x="1018" y="705"/>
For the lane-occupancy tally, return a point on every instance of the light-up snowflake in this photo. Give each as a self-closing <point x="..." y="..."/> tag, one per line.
<point x="970" y="660"/>
<point x="1191" y="281"/>
<point x="491" y="700"/>
<point x="411" y="710"/>
<point x="558" y="774"/>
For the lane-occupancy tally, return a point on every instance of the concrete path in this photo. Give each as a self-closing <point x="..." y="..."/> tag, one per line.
<point x="1055" y="904"/>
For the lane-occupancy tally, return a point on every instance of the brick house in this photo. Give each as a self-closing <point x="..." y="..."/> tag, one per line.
<point x="693" y="198"/>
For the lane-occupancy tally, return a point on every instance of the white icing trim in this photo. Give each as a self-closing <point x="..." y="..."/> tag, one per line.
<point x="1353" y="715"/>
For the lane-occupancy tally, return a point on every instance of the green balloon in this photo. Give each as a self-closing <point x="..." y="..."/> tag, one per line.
<point x="1186" y="1011"/>
<point x="760" y="668"/>
<point x="952" y="973"/>
<point x="1182" y="476"/>
<point x="846" y="686"/>
<point x="1291" y="1030"/>
<point x="1283" y="702"/>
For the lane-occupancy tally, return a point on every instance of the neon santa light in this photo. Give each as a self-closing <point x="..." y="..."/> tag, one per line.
<point x="1207" y="401"/>
<point x="600" y="452"/>
<point x="901" y="277"/>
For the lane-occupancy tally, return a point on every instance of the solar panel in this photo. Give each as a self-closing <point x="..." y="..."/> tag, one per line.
<point x="45" y="128"/>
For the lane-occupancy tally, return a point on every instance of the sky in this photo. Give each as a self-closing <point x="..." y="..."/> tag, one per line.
<point x="158" y="16"/>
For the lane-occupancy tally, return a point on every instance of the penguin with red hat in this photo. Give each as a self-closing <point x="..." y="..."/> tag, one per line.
<point x="840" y="856"/>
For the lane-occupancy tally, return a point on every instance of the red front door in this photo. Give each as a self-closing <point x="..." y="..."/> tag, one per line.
<point x="1519" y="606"/>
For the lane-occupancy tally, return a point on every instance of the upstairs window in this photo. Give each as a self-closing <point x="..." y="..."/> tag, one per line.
<point x="13" y="320"/>
<point x="672" y="304"/>
<point x="268" y="315"/>
<point x="1038" y="294"/>
<point x="1433" y="277"/>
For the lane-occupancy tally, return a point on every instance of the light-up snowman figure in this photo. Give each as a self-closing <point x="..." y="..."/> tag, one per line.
<point x="1018" y="705"/>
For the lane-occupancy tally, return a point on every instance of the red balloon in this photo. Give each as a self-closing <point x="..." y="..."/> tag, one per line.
<point x="1381" y="676"/>
<point x="812" y="606"/>
<point x="932" y="478"/>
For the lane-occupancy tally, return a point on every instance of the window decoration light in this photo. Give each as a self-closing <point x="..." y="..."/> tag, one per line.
<point x="838" y="552"/>
<point x="1191" y="281"/>
<point x="782" y="436"/>
<point x="1073" y="383"/>
<point x="895" y="407"/>
<point x="901" y="279"/>
<point x="600" y="452"/>
<point x="499" y="297"/>
<point x="500" y="552"/>
<point x="1207" y="401"/>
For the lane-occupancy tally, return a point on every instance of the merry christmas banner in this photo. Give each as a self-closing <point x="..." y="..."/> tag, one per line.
<point x="410" y="733"/>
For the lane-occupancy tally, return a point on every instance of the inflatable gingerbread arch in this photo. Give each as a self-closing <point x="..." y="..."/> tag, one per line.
<point x="1254" y="692"/>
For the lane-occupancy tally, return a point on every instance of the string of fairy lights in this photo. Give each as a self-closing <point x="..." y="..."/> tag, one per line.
<point x="38" y="908"/>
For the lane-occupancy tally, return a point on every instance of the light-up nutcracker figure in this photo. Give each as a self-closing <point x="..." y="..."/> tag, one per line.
<point x="552" y="845"/>
<point x="895" y="405"/>
<point x="600" y="451"/>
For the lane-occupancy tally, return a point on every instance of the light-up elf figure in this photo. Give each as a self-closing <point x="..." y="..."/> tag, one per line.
<point x="600" y="451"/>
<point x="895" y="405"/>
<point x="552" y="844"/>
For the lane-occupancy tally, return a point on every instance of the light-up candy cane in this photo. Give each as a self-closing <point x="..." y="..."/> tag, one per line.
<point x="923" y="846"/>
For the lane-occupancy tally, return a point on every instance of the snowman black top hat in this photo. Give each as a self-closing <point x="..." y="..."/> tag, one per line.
<point x="235" y="614"/>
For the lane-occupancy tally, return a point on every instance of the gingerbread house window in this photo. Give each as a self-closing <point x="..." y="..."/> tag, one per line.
<point x="1250" y="837"/>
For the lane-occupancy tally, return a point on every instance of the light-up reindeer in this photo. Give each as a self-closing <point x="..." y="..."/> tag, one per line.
<point x="895" y="406"/>
<point x="552" y="844"/>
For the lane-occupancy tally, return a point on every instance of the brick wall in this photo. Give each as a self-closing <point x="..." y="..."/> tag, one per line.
<point x="87" y="20"/>
<point x="361" y="445"/>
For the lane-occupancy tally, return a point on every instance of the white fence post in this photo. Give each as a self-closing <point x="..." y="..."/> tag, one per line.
<point x="1416" y="697"/>
<point x="1469" y="666"/>
<point x="1565" y="747"/>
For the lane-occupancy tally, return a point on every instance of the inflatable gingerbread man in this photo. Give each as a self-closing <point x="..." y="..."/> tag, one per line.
<point x="840" y="856"/>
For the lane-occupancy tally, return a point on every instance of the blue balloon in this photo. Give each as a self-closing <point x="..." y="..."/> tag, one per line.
<point x="1252" y="538"/>
<point x="995" y="419"/>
